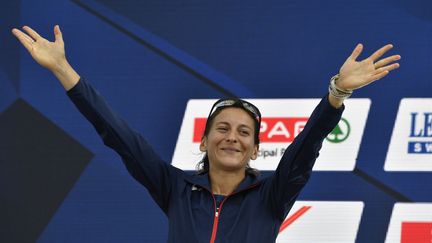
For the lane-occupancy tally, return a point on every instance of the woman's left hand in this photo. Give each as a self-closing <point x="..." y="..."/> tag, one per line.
<point x="356" y="74"/>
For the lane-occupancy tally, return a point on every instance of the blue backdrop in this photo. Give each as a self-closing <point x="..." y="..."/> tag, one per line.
<point x="148" y="58"/>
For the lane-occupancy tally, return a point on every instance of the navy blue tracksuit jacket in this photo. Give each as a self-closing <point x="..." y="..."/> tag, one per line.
<point x="252" y="213"/>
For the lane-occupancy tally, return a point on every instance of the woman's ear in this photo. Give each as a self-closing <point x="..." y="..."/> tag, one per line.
<point x="255" y="152"/>
<point x="203" y="144"/>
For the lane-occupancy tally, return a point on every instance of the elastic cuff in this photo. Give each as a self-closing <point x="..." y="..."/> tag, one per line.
<point x="77" y="87"/>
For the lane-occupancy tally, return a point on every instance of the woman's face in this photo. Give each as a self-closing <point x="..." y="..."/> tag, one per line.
<point x="230" y="142"/>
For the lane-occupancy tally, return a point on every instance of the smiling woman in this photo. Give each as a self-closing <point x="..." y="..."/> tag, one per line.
<point x="243" y="119"/>
<point x="229" y="142"/>
<point x="226" y="201"/>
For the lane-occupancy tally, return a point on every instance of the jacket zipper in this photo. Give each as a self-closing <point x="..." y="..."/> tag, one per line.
<point x="215" y="222"/>
<point x="219" y="209"/>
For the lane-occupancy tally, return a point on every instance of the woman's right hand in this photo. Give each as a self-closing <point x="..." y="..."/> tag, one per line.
<point x="47" y="54"/>
<point x="50" y="55"/>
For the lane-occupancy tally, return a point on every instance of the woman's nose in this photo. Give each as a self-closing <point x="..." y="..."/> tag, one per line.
<point x="231" y="137"/>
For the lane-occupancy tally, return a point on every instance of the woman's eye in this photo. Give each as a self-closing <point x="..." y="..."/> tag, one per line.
<point x="244" y="132"/>
<point x="223" y="129"/>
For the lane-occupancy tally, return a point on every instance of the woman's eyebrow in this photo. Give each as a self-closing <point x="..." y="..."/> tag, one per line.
<point x="222" y="123"/>
<point x="228" y="124"/>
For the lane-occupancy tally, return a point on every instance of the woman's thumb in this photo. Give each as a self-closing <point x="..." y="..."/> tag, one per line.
<point x="58" y="34"/>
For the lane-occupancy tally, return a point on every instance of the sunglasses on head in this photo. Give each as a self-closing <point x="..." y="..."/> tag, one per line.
<point x="237" y="103"/>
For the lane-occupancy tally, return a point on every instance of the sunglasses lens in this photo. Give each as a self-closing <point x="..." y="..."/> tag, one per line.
<point x="224" y="103"/>
<point x="253" y="110"/>
<point x="248" y="106"/>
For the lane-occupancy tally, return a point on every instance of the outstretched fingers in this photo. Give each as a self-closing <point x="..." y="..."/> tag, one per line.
<point x="376" y="55"/>
<point x="383" y="66"/>
<point x="25" y="40"/>
<point x="378" y="76"/>
<point x="387" y="60"/>
<point x="33" y="34"/>
<point x="356" y="52"/>
<point x="389" y="68"/>
<point x="383" y="71"/>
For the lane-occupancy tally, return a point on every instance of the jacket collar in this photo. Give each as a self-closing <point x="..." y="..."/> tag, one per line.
<point x="203" y="180"/>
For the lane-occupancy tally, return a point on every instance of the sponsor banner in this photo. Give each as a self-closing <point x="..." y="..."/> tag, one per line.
<point x="410" y="147"/>
<point x="282" y="121"/>
<point x="321" y="221"/>
<point x="410" y="222"/>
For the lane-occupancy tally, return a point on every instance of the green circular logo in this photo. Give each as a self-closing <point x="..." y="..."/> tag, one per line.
<point x="340" y="133"/>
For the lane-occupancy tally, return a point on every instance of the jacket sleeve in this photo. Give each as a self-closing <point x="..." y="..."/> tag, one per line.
<point x="296" y="164"/>
<point x="140" y="159"/>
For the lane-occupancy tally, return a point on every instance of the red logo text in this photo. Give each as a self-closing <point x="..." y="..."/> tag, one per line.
<point x="273" y="129"/>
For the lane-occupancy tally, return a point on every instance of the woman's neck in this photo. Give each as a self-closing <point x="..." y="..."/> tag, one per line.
<point x="223" y="182"/>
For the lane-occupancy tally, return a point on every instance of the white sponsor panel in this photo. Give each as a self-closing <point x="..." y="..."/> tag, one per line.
<point x="410" y="222"/>
<point x="282" y="120"/>
<point x="410" y="147"/>
<point x="321" y="221"/>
